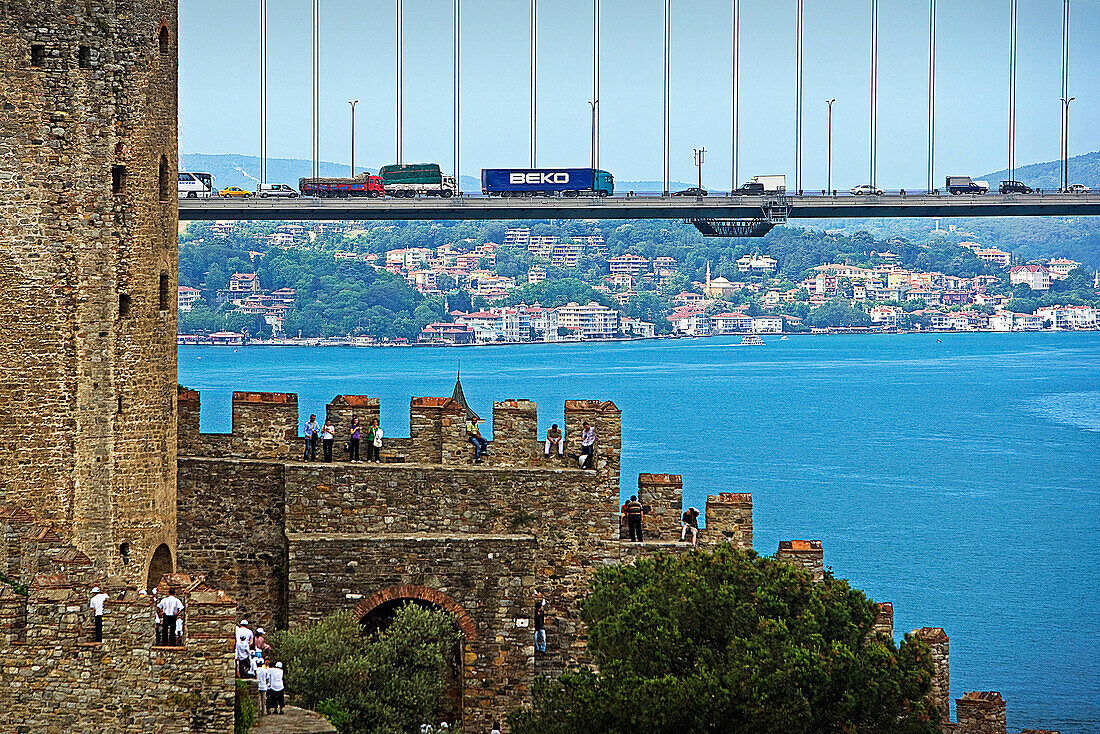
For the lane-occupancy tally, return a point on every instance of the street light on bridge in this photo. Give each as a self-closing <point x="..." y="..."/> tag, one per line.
<point x="829" y="180"/>
<point x="699" y="154"/>
<point x="353" y="102"/>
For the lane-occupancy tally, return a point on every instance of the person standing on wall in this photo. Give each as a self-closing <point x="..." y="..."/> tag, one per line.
<point x="310" y="434"/>
<point x="98" y="597"/>
<point x="473" y="435"/>
<point x="170" y="607"/>
<point x="328" y="435"/>
<point x="633" y="512"/>
<point x="374" y="441"/>
<point x="554" y="437"/>
<point x="690" y="520"/>
<point x="540" y="626"/>
<point x="353" y="441"/>
<point x="275" y="689"/>
<point x="588" y="445"/>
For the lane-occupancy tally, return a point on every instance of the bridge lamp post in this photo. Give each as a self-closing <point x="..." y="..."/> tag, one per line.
<point x="699" y="155"/>
<point x="594" y="104"/>
<point x="1065" y="142"/>
<point x="829" y="180"/>
<point x="353" y="103"/>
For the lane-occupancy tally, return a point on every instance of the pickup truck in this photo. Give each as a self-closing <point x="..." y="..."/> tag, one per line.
<point x="966" y="185"/>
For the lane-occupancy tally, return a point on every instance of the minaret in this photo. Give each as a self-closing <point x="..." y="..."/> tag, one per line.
<point x="707" y="288"/>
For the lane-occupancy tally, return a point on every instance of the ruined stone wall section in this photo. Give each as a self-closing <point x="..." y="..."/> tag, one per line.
<point x="87" y="250"/>
<point x="884" y="620"/>
<point x="980" y="712"/>
<point x="805" y="553"/>
<point x="663" y="495"/>
<point x="515" y="433"/>
<point x="54" y="678"/>
<point x="939" y="646"/>
<point x="729" y="519"/>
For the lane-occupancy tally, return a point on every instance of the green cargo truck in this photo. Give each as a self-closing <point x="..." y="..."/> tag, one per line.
<point x="413" y="179"/>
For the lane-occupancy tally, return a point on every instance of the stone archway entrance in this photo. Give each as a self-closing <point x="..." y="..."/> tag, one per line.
<point x="377" y="612"/>
<point x="159" y="564"/>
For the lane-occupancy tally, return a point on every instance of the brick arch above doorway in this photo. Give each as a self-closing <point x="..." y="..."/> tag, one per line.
<point x="423" y="593"/>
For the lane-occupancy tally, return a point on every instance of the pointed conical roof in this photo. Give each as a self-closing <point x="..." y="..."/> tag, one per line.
<point x="459" y="398"/>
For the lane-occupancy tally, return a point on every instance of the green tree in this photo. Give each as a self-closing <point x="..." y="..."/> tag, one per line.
<point x="837" y="312"/>
<point x="390" y="681"/>
<point x="733" y="642"/>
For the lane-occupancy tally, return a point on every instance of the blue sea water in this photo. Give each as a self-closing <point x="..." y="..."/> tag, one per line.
<point x="956" y="476"/>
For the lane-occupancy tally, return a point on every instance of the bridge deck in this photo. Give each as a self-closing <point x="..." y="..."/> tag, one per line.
<point x="642" y="207"/>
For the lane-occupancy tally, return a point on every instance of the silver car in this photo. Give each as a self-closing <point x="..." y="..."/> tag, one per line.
<point x="273" y="189"/>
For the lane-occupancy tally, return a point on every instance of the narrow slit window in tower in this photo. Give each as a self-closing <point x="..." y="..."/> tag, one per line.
<point x="84" y="57"/>
<point x="124" y="304"/>
<point x="162" y="40"/>
<point x="165" y="283"/>
<point x="165" y="183"/>
<point x="38" y="55"/>
<point x="118" y="179"/>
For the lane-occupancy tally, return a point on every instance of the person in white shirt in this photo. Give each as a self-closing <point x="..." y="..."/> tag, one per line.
<point x="242" y="648"/>
<point x="275" y="695"/>
<point x="328" y="435"/>
<point x="98" y="597"/>
<point x="374" y="447"/>
<point x="170" y="607"/>
<point x="261" y="683"/>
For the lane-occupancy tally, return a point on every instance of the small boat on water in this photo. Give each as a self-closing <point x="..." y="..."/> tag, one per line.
<point x="751" y="340"/>
<point x="783" y="338"/>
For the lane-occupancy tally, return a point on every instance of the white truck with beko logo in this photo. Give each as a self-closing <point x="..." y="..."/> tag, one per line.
<point x="527" y="182"/>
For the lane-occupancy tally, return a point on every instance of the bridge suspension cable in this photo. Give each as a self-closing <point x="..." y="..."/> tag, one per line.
<point x="534" y="76"/>
<point x="1064" y="184"/>
<point x="596" y="83"/>
<point x="736" y="77"/>
<point x="400" y="76"/>
<point x="456" y="22"/>
<point x="263" y="91"/>
<point x="931" y="94"/>
<point x="799" y="10"/>
<point x="667" y="68"/>
<point x="1012" y="91"/>
<point x="316" y="86"/>
<point x="874" y="92"/>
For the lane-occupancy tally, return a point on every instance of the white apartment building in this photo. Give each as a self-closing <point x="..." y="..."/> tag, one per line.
<point x="186" y="298"/>
<point x="566" y="254"/>
<point x="1069" y="317"/>
<point x="756" y="265"/>
<point x="1036" y="277"/>
<point x="517" y="237"/>
<point x="590" y="321"/>
<point x="536" y="275"/>
<point x="628" y="264"/>
<point x="767" y="325"/>
<point x="884" y="316"/>
<point x="995" y="256"/>
<point x="691" y="324"/>
<point x="1060" y="268"/>
<point x="730" y="323"/>
<point x="637" y="327"/>
<point x="543" y="323"/>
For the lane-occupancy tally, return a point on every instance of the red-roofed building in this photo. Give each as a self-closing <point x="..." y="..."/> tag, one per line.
<point x="1036" y="277"/>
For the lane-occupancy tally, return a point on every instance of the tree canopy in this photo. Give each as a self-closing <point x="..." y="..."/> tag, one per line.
<point x="732" y="641"/>
<point x="386" y="682"/>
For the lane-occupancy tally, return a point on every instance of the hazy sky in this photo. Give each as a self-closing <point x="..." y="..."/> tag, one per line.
<point x="219" y="93"/>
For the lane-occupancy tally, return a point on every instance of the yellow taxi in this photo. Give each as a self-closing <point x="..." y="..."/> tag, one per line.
<point x="234" y="192"/>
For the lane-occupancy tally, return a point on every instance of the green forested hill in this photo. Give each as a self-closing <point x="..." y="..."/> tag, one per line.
<point x="1083" y="169"/>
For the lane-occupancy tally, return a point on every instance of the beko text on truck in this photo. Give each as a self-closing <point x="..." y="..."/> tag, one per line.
<point x="567" y="182"/>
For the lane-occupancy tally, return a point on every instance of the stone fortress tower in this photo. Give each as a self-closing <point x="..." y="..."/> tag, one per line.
<point x="88" y="274"/>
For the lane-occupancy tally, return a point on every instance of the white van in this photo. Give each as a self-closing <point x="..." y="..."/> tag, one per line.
<point x="274" y="189"/>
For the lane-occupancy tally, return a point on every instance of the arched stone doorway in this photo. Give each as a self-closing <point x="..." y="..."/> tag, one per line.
<point x="159" y="564"/>
<point x="377" y="612"/>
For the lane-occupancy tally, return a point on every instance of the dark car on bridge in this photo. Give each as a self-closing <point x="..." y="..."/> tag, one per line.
<point x="693" y="191"/>
<point x="752" y="188"/>
<point x="1015" y="187"/>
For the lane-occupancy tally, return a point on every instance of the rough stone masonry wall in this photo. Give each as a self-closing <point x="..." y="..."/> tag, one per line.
<point x="87" y="421"/>
<point x="231" y="528"/>
<point x="729" y="519"/>
<point x="54" y="679"/>
<point x="490" y="577"/>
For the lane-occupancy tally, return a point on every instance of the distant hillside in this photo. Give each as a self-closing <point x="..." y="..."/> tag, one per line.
<point x="1083" y="169"/>
<point x="244" y="170"/>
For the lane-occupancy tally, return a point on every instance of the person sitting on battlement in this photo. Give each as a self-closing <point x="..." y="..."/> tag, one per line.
<point x="554" y="437"/>
<point x="473" y="435"/>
